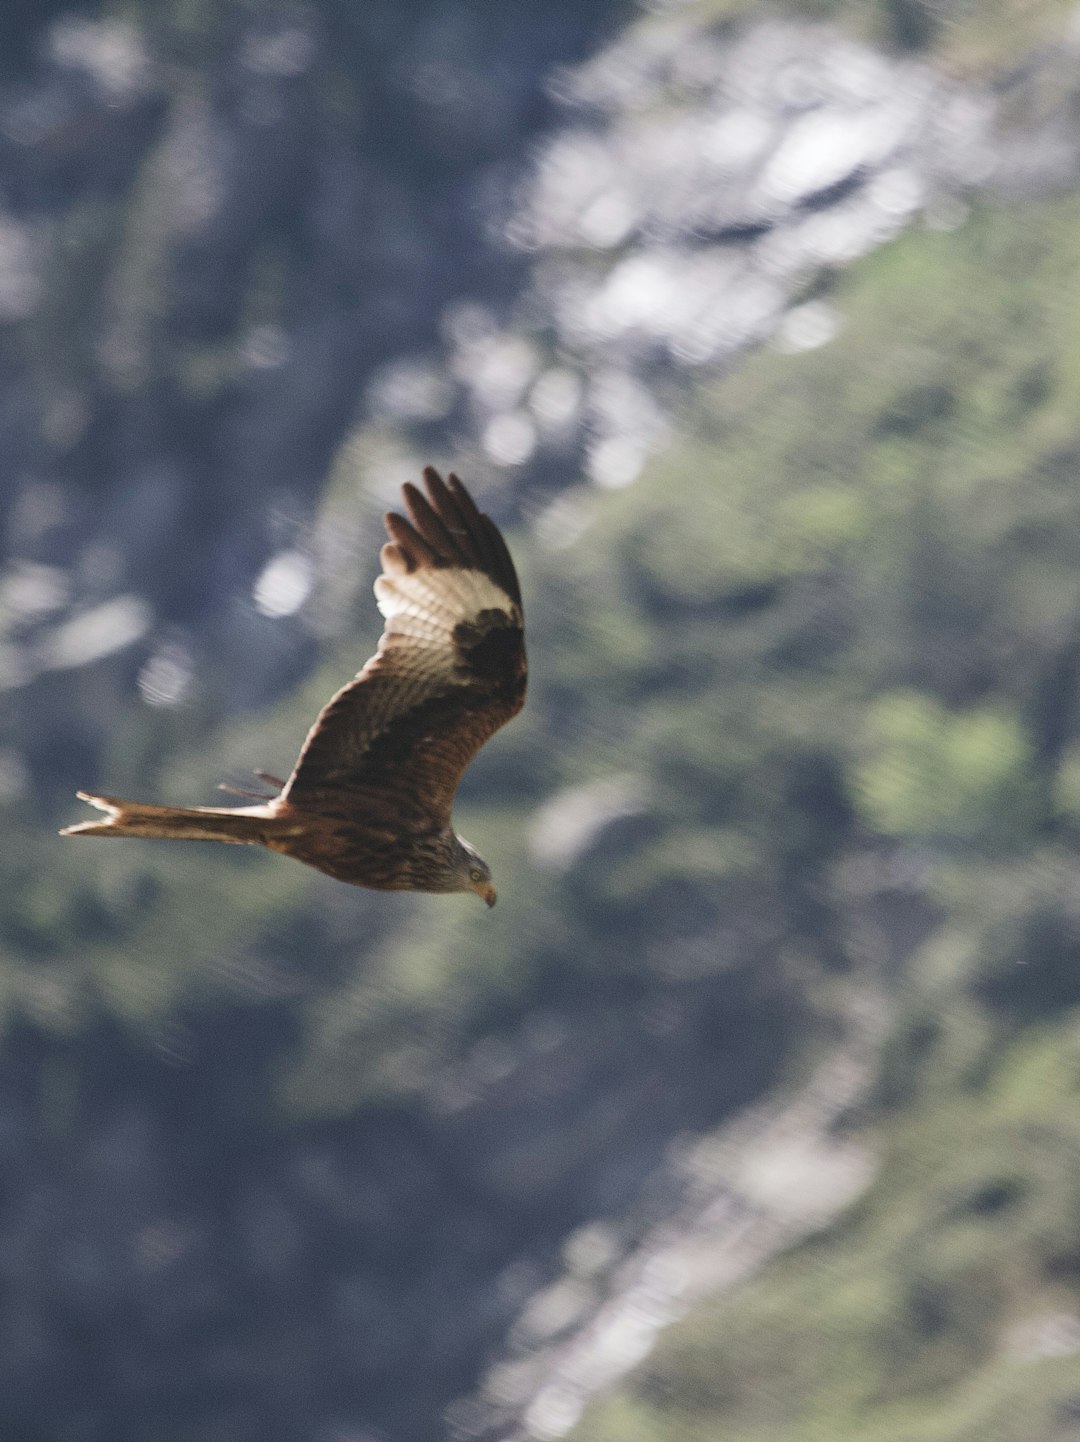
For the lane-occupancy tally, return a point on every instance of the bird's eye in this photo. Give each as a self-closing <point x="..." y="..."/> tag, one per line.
<point x="475" y="875"/>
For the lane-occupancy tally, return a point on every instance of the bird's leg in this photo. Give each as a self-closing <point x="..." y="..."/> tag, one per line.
<point x="272" y="780"/>
<point x="254" y="795"/>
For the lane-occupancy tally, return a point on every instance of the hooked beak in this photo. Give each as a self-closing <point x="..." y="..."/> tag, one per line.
<point x="490" y="895"/>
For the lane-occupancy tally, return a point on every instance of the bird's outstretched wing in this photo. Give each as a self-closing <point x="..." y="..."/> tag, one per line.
<point x="448" y="672"/>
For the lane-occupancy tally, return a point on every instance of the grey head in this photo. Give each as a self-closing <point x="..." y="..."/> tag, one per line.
<point x="471" y="872"/>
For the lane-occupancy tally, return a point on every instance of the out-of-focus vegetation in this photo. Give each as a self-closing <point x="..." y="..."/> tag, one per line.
<point x="803" y="727"/>
<point x="837" y="618"/>
<point x="904" y="525"/>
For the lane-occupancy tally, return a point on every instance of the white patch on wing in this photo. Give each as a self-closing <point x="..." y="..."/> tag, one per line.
<point x="440" y="598"/>
<point x="424" y="606"/>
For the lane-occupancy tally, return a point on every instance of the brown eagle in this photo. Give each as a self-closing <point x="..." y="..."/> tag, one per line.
<point x="370" y="796"/>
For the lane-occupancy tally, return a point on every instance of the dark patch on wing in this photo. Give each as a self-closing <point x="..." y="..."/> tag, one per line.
<point x="492" y="653"/>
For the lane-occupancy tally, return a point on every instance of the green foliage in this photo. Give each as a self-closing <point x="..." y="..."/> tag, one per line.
<point x="919" y="1316"/>
<point x="931" y="773"/>
<point x="919" y="653"/>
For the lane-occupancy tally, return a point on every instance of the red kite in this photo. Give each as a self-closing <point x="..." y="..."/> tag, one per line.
<point x="370" y="796"/>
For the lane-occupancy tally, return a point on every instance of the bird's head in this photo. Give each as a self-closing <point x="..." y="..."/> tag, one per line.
<point x="473" y="872"/>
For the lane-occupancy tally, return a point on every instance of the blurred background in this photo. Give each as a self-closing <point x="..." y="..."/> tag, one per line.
<point x="753" y="1110"/>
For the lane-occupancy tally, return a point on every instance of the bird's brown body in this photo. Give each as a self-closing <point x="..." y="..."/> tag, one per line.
<point x="370" y="797"/>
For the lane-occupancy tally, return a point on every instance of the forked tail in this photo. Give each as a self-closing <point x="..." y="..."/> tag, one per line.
<point x="240" y="825"/>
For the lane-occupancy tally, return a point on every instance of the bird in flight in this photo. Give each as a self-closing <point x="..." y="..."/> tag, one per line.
<point x="370" y="796"/>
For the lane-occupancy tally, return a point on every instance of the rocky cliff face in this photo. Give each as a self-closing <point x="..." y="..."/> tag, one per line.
<point x="214" y="233"/>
